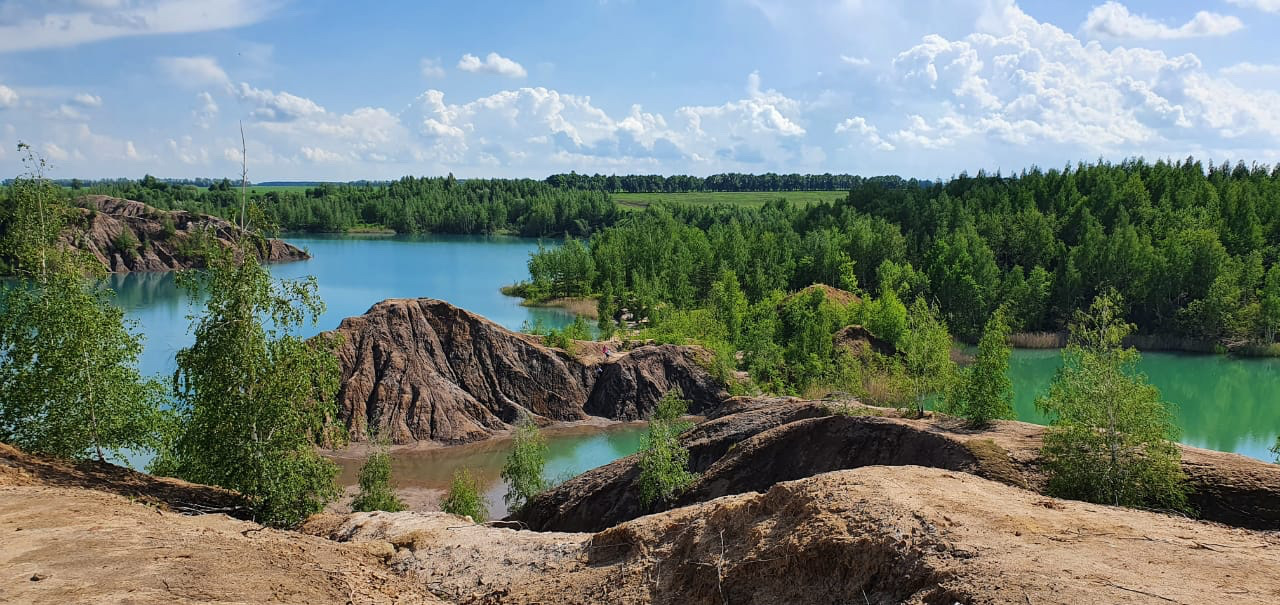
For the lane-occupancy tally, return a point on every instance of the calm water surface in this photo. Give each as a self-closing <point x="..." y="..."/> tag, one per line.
<point x="572" y="450"/>
<point x="353" y="273"/>
<point x="1222" y="403"/>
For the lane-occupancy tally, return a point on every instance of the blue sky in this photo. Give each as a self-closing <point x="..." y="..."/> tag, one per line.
<point x="333" y="90"/>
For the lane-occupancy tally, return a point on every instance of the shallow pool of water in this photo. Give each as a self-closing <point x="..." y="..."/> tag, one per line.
<point x="423" y="475"/>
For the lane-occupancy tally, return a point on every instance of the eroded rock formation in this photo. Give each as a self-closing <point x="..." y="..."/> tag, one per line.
<point x="422" y="369"/>
<point x="127" y="236"/>
<point x="754" y="443"/>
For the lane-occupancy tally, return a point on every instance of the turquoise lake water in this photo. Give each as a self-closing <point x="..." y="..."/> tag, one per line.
<point x="1222" y="403"/>
<point x="353" y="273"/>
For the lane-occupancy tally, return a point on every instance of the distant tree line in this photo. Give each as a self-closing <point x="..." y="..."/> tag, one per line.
<point x="409" y="205"/>
<point x="656" y="183"/>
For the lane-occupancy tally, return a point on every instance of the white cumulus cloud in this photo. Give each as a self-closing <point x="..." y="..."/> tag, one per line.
<point x="1037" y="84"/>
<point x="270" y="106"/>
<point x="857" y="125"/>
<point x="492" y="64"/>
<point x="1113" y="20"/>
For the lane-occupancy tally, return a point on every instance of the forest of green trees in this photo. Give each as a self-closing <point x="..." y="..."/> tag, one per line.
<point x="1192" y="250"/>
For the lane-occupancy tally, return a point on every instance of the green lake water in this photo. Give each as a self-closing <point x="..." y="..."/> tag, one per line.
<point x="1221" y="403"/>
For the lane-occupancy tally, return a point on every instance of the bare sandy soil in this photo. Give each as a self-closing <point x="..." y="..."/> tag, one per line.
<point x="68" y="535"/>
<point x="870" y="535"/>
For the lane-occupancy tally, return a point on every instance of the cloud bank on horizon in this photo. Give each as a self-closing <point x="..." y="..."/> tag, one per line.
<point x="107" y="88"/>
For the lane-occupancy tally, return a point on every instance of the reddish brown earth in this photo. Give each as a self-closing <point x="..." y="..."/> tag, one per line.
<point x="425" y="370"/>
<point x="105" y="218"/>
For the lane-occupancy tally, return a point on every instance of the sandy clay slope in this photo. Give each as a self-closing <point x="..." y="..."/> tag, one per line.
<point x="93" y="535"/>
<point x="877" y="534"/>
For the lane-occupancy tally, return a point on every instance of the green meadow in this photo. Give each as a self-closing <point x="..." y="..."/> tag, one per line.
<point x="752" y="199"/>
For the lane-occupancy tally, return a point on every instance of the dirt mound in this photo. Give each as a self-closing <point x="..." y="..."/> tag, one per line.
<point x="97" y="533"/>
<point x="872" y="535"/>
<point x="127" y="236"/>
<point x="858" y="341"/>
<point x="18" y="468"/>
<point x="769" y="440"/>
<point x="832" y="294"/>
<point x="422" y="369"/>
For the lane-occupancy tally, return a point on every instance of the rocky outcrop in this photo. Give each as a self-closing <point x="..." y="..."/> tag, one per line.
<point x="127" y="236"/>
<point x="627" y="389"/>
<point x="765" y="441"/>
<point x="422" y="369"/>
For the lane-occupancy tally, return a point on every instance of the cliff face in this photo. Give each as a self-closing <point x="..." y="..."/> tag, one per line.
<point x="127" y="236"/>
<point x="422" y="369"/>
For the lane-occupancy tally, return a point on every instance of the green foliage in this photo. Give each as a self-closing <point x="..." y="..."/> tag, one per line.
<point x="523" y="469"/>
<point x="566" y="270"/>
<point x="983" y="391"/>
<point x="464" y="497"/>
<point x="886" y="317"/>
<point x="664" y="463"/>
<point x="408" y="205"/>
<point x="254" y="398"/>
<point x="125" y="244"/>
<point x="728" y="304"/>
<point x="69" y="384"/>
<point x="168" y="229"/>
<point x="1111" y="439"/>
<point x="926" y="349"/>
<point x="376" y="492"/>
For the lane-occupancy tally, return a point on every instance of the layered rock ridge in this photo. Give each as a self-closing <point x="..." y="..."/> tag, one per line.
<point x="424" y="370"/>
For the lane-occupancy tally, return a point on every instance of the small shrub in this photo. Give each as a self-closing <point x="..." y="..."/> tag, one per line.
<point x="375" y="486"/>
<point x="523" y="469"/>
<point x="984" y="392"/>
<point x="1111" y="438"/>
<point x="464" y="497"/>
<point x="664" y="463"/>
<point x="125" y="243"/>
<point x="167" y="228"/>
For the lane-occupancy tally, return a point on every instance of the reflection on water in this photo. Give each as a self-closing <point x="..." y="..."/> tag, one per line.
<point x="572" y="450"/>
<point x="1221" y="403"/>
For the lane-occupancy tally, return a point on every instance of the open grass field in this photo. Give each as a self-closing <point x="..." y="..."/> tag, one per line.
<point x="753" y="199"/>
<point x="280" y="188"/>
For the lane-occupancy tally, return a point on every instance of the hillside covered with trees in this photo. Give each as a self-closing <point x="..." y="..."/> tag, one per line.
<point x="1191" y="250"/>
